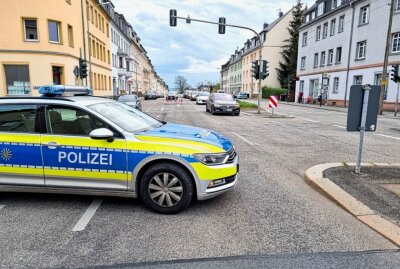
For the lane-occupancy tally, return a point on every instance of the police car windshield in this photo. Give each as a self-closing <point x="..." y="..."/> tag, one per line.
<point x="126" y="117"/>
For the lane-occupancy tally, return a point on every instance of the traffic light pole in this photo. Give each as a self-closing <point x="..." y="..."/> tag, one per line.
<point x="397" y="99"/>
<point x="188" y="19"/>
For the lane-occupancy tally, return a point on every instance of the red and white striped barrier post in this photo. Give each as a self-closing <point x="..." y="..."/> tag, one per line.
<point x="273" y="103"/>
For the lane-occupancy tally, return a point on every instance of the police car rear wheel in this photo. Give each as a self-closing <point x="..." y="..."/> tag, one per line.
<point x="166" y="188"/>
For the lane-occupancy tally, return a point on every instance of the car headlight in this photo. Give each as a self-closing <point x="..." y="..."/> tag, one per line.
<point x="212" y="159"/>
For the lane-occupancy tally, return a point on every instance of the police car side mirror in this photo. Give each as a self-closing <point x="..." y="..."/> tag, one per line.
<point x="102" y="133"/>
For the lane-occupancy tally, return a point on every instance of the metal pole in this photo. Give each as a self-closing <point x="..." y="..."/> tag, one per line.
<point x="137" y="86"/>
<point x="84" y="39"/>
<point x="366" y="89"/>
<point x="260" y="78"/>
<point x="386" y="59"/>
<point x="397" y="99"/>
<point x="90" y="51"/>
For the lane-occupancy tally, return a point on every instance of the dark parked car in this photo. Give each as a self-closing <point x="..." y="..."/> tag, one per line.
<point x="130" y="100"/>
<point x="222" y="103"/>
<point x="172" y="95"/>
<point x="150" y="95"/>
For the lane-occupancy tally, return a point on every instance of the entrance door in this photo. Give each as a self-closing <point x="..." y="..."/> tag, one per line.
<point x="314" y="88"/>
<point x="73" y="159"/>
<point x="20" y="153"/>
<point x="57" y="72"/>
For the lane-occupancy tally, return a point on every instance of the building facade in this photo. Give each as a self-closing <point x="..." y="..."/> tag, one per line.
<point x="39" y="46"/>
<point x="225" y="77"/>
<point x="235" y="72"/>
<point x="342" y="43"/>
<point x="251" y="53"/>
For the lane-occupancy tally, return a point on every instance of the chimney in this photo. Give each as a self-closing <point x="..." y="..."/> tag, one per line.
<point x="280" y="14"/>
<point x="265" y="25"/>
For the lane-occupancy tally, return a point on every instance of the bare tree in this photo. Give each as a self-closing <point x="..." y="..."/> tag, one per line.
<point x="181" y="83"/>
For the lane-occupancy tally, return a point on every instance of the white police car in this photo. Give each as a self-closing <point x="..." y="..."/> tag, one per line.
<point x="67" y="141"/>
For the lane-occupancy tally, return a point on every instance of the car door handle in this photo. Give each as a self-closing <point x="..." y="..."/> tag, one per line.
<point x="52" y="145"/>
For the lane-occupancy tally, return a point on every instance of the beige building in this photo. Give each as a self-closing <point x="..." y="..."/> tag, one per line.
<point x="38" y="46"/>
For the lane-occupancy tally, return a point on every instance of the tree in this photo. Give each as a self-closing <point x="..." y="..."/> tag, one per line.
<point x="216" y="88"/>
<point x="181" y="84"/>
<point x="288" y="64"/>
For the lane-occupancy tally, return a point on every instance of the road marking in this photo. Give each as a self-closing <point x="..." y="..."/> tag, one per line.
<point x="244" y="139"/>
<point x="87" y="216"/>
<point x="150" y="107"/>
<point x="388" y="136"/>
<point x="310" y="120"/>
<point x="339" y="126"/>
<point x="162" y="108"/>
<point x="2" y="206"/>
<point x="247" y="114"/>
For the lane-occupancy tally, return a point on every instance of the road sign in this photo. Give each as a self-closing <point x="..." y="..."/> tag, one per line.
<point x="129" y="81"/>
<point x="384" y="83"/>
<point x="273" y="102"/>
<point x="354" y="113"/>
<point x="76" y="71"/>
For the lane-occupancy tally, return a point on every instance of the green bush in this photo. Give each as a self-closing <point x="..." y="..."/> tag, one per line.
<point x="244" y="104"/>
<point x="268" y="91"/>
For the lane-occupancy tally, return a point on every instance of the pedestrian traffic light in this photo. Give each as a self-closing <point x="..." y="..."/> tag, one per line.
<point x="82" y="68"/>
<point x="395" y="73"/>
<point x="172" y="17"/>
<point x="265" y="72"/>
<point x="221" y="26"/>
<point x="255" y="69"/>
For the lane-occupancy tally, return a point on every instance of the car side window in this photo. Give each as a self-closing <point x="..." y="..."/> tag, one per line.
<point x="71" y="121"/>
<point x="18" y="118"/>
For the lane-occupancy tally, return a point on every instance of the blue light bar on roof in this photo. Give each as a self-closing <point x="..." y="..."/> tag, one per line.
<point x="64" y="90"/>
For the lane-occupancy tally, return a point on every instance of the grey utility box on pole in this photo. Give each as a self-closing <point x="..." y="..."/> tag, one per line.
<point x="354" y="113"/>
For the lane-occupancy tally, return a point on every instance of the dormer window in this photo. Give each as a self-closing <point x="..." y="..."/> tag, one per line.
<point x="321" y="8"/>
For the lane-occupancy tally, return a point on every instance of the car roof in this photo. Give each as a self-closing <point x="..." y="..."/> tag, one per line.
<point x="76" y="100"/>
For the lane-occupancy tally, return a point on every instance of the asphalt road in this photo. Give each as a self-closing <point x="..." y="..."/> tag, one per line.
<point x="272" y="218"/>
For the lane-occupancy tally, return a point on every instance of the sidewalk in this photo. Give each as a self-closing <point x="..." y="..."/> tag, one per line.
<point x="323" y="107"/>
<point x="373" y="197"/>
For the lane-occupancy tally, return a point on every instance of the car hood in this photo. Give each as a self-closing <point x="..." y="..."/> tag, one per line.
<point x="222" y="102"/>
<point x="184" y="134"/>
<point x="130" y="103"/>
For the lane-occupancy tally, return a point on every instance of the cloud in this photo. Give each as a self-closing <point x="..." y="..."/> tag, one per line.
<point x="195" y="50"/>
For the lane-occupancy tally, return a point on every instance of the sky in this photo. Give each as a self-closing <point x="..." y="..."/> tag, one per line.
<point x="196" y="51"/>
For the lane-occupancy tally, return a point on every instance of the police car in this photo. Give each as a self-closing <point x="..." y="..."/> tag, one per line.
<point x="67" y="141"/>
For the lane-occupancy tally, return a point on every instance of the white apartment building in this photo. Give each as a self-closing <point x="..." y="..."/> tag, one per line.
<point x="342" y="43"/>
<point x="225" y="77"/>
<point x="235" y="72"/>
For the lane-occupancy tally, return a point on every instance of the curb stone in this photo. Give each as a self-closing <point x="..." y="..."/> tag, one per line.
<point x="314" y="177"/>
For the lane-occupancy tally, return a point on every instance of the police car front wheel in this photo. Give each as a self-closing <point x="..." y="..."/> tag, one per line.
<point x="166" y="188"/>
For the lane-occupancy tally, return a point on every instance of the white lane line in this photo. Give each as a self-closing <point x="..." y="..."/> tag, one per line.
<point x="162" y="108"/>
<point x="339" y="126"/>
<point x="244" y="139"/>
<point x="2" y="206"/>
<point x="310" y="120"/>
<point x="87" y="216"/>
<point x="388" y="136"/>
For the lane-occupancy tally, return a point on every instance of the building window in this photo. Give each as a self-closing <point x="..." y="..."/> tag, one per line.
<point x="333" y="27"/>
<point x="364" y="15"/>
<point x="341" y="24"/>
<point x="357" y="80"/>
<point x="338" y="55"/>
<point x="397" y="6"/>
<point x="301" y="86"/>
<point x="330" y="57"/>
<point x="54" y="32"/>
<point x="334" y="4"/>
<point x="321" y="8"/>
<point x="323" y="58"/>
<point x="305" y="39"/>
<point x="31" y="30"/>
<point x="335" y="85"/>
<point x="318" y="33"/>
<point x="121" y="62"/>
<point x="108" y="29"/>
<point x="315" y="60"/>
<point x="396" y="42"/>
<point x="91" y="15"/>
<point x="108" y="56"/>
<point x="17" y="79"/>
<point x="303" y="63"/>
<point x="325" y="31"/>
<point x="70" y="36"/>
<point x="361" y="49"/>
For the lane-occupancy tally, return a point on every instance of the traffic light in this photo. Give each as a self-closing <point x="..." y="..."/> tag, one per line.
<point x="82" y="68"/>
<point x="221" y="26"/>
<point x="395" y="73"/>
<point x="265" y="72"/>
<point x="172" y="17"/>
<point x="255" y="69"/>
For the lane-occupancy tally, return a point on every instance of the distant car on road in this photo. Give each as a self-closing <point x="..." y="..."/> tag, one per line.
<point x="241" y="95"/>
<point x="150" y="95"/>
<point x="172" y="95"/>
<point x="193" y="95"/>
<point x="220" y="91"/>
<point x="223" y="103"/>
<point x="130" y="100"/>
<point x="202" y="98"/>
